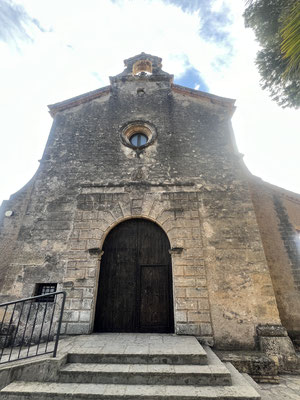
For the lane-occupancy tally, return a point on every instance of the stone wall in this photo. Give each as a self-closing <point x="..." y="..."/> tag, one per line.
<point x="9" y="231"/>
<point x="278" y="216"/>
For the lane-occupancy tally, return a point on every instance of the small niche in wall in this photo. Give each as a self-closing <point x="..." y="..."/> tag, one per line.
<point x="142" y="66"/>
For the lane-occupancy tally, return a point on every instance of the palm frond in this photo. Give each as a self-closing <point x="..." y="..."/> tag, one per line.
<point x="290" y="45"/>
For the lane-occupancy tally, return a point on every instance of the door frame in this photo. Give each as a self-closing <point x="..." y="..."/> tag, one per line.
<point x="100" y="254"/>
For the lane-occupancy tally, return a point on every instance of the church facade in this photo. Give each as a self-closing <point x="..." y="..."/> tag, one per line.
<point x="144" y="213"/>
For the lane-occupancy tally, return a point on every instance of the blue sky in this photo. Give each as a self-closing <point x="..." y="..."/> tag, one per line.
<point x="52" y="50"/>
<point x="192" y="79"/>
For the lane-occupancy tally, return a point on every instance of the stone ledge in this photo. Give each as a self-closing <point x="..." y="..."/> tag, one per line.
<point x="271" y="330"/>
<point x="260" y="367"/>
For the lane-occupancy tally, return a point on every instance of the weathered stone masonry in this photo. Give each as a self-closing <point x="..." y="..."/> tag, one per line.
<point x="188" y="180"/>
<point x="278" y="216"/>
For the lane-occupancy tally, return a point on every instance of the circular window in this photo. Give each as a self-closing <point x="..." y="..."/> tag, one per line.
<point x="138" y="139"/>
<point x="138" y="134"/>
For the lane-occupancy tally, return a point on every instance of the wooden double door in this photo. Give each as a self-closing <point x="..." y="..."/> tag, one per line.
<point x="135" y="283"/>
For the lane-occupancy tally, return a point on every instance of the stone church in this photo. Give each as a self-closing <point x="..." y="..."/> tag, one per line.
<point x="143" y="211"/>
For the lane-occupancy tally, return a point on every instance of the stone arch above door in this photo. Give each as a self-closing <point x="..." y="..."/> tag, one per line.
<point x="177" y="213"/>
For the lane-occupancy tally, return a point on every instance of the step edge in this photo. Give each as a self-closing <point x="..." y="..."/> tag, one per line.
<point x="21" y="384"/>
<point x="206" y="369"/>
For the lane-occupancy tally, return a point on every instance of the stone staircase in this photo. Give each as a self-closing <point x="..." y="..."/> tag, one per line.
<point x="176" y="368"/>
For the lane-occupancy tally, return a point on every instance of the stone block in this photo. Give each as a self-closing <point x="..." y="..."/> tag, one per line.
<point x="181" y="233"/>
<point x="258" y="365"/>
<point x="206" y="340"/>
<point x="188" y="329"/>
<point x="78" y="216"/>
<point x="82" y="225"/>
<point x="88" y="292"/>
<point x="90" y="215"/>
<point x="75" y="304"/>
<point x="178" y="270"/>
<point x="196" y="233"/>
<point x="196" y="292"/>
<point x="183" y="304"/>
<point x="203" y="304"/>
<point x="70" y="316"/>
<point x="75" y="273"/>
<point x="87" y="304"/>
<point x="198" y="316"/>
<point x="178" y="259"/>
<point x="271" y="330"/>
<point x="92" y="243"/>
<point x="84" y="316"/>
<point x="277" y="346"/>
<point x="201" y="282"/>
<point x="77" y="244"/>
<point x="79" y="328"/>
<point x="86" y="234"/>
<point x="194" y="213"/>
<point x="75" y="293"/>
<point x="179" y="292"/>
<point x="91" y="272"/>
<point x="75" y="234"/>
<point x="184" y="281"/>
<point x="77" y="255"/>
<point x="181" y="316"/>
<point x="199" y="272"/>
<point x="195" y="252"/>
<point x="85" y="282"/>
<point x="206" y="329"/>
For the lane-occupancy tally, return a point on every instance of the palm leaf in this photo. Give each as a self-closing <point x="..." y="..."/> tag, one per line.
<point x="290" y="45"/>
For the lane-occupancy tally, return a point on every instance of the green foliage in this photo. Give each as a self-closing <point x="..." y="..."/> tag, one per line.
<point x="290" y="45"/>
<point x="276" y="26"/>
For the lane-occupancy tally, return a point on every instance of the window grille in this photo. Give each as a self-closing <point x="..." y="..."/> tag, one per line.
<point x="45" y="288"/>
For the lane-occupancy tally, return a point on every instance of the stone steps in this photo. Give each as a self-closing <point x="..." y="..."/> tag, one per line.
<point x="145" y="371"/>
<point x="61" y="391"/>
<point x="136" y="358"/>
<point x="146" y="374"/>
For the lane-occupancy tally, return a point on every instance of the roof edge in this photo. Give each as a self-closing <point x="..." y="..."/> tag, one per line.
<point x="277" y="189"/>
<point x="224" y="101"/>
<point x="83" y="98"/>
<point x="77" y="100"/>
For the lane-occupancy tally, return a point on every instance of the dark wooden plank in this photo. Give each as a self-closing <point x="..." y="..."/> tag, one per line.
<point x="135" y="284"/>
<point x="153" y="244"/>
<point x="116" y="300"/>
<point x="154" y="298"/>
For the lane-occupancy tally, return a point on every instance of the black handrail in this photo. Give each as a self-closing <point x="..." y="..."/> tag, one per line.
<point x="28" y="323"/>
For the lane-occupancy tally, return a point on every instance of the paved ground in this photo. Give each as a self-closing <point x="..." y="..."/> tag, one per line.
<point x="136" y="343"/>
<point x="288" y="389"/>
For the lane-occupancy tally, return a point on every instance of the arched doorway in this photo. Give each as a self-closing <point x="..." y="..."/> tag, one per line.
<point x="135" y="284"/>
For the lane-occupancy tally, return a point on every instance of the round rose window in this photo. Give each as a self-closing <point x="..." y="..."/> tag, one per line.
<point x="138" y="139"/>
<point x="138" y="134"/>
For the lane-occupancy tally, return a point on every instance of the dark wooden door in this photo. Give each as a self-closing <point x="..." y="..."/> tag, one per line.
<point x="135" y="284"/>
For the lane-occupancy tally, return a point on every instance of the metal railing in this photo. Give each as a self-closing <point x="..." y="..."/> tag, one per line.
<point x="31" y="327"/>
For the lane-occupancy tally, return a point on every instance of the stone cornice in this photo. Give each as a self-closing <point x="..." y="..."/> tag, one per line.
<point x="211" y="98"/>
<point x="75" y="101"/>
<point x="288" y="194"/>
<point x="84" y="98"/>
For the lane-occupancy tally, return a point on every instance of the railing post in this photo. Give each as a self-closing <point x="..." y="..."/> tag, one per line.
<point x="59" y="323"/>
